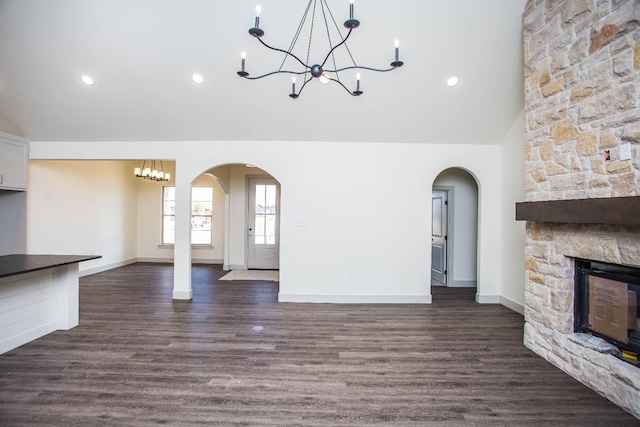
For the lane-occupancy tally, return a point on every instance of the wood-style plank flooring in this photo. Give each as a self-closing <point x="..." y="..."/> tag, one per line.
<point x="234" y="356"/>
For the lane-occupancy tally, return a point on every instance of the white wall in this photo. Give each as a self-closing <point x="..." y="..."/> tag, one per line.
<point x="82" y="208"/>
<point x="355" y="220"/>
<point x="462" y="263"/>
<point x="513" y="232"/>
<point x="149" y="220"/>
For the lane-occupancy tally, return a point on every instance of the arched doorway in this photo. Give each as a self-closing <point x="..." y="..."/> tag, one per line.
<point x="454" y="228"/>
<point x="251" y="212"/>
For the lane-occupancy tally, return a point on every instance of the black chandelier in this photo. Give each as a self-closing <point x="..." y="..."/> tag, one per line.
<point x="151" y="172"/>
<point x="317" y="70"/>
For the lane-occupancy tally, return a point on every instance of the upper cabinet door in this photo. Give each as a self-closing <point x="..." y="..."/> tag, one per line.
<point x="14" y="158"/>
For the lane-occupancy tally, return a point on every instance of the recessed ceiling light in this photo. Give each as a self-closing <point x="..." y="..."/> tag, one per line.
<point x="87" y="80"/>
<point x="452" y="81"/>
<point x="197" y="78"/>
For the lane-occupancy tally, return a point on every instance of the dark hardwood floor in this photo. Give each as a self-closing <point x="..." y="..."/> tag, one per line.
<point x="234" y="356"/>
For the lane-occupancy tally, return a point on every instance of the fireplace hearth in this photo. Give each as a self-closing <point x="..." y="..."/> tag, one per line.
<point x="606" y="301"/>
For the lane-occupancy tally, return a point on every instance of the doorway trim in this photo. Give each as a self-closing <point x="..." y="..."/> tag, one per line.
<point x="450" y="190"/>
<point x="249" y="220"/>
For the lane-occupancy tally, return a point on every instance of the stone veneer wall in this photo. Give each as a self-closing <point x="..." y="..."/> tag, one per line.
<point x="582" y="86"/>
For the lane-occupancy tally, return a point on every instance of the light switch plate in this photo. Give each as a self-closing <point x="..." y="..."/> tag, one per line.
<point x="625" y="151"/>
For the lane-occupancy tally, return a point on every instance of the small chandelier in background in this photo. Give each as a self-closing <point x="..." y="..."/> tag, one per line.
<point x="151" y="172"/>
<point x="317" y="70"/>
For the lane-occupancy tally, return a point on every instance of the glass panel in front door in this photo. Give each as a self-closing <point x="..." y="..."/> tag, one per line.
<point x="265" y="214"/>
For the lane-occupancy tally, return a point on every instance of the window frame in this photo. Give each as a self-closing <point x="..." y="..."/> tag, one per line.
<point x="163" y="243"/>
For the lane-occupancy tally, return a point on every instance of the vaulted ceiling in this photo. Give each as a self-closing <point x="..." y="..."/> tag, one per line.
<point x="142" y="54"/>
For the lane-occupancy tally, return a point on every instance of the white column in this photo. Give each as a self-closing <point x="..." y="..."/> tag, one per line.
<point x="182" y="247"/>
<point x="67" y="296"/>
<point x="227" y="225"/>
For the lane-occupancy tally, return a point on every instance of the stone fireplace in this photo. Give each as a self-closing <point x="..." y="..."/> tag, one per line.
<point x="582" y="105"/>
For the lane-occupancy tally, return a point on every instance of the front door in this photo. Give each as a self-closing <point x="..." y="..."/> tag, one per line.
<point x="439" y="237"/>
<point x="263" y="231"/>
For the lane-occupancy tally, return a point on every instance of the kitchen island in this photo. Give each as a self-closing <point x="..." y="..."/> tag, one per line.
<point x="38" y="295"/>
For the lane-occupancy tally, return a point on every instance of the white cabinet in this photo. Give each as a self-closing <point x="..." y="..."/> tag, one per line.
<point x="14" y="158"/>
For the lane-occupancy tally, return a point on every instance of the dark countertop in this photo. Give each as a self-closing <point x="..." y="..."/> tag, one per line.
<point x="12" y="265"/>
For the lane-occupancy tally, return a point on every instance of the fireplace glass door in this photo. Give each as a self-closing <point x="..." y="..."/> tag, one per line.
<point x="607" y="304"/>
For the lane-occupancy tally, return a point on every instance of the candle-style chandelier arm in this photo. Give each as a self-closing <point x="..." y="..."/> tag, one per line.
<point x="336" y="46"/>
<point x="303" y="85"/>
<point x="360" y="67"/>
<point x="283" y="51"/>
<point x="344" y="87"/>
<point x="275" y="72"/>
<point x="317" y="69"/>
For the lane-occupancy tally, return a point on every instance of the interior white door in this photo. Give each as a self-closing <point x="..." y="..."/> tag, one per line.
<point x="439" y="205"/>
<point x="263" y="231"/>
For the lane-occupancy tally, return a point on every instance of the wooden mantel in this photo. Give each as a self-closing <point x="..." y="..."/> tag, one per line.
<point x="613" y="210"/>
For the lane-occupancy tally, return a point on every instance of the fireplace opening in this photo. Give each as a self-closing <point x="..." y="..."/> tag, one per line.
<point x="607" y="298"/>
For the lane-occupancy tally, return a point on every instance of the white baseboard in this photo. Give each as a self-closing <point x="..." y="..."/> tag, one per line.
<point x="462" y="284"/>
<point x="111" y="266"/>
<point x="155" y="260"/>
<point x="488" y="299"/>
<point x="517" y="307"/>
<point x="355" y="299"/>
<point x="206" y="261"/>
<point x="237" y="267"/>
<point x="183" y="295"/>
<point x="101" y="268"/>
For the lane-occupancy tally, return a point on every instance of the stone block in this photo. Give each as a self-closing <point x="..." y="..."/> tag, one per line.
<point x="561" y="301"/>
<point x="587" y="144"/>
<point x="618" y="166"/>
<point x="538" y="278"/>
<point x="607" y="33"/>
<point x="574" y="11"/>
<point x="565" y="131"/>
<point x="631" y="133"/>
<point x="598" y="181"/>
<point x="608" y="139"/>
<point x="579" y="50"/>
<point x="546" y="150"/>
<point x="533" y="22"/>
<point x="566" y="284"/>
<point x="626" y="374"/>
<point x="601" y="360"/>
<point x="555" y="169"/>
<point x="608" y="103"/>
<point x="559" y="272"/>
<point x="623" y="185"/>
<point x="599" y="193"/>
<point x="623" y="63"/>
<point x="598" y="65"/>
<point x="569" y="182"/>
<point x="590" y="87"/>
<point x="612" y="254"/>
<point x="553" y="87"/>
<point x="629" y="248"/>
<point x="531" y="264"/>
<point x="621" y="119"/>
<point x="563" y="159"/>
<point x="549" y="322"/>
<point x="540" y="40"/>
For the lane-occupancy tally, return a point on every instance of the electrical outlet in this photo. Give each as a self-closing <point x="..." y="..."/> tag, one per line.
<point x="352" y="277"/>
<point x="625" y="151"/>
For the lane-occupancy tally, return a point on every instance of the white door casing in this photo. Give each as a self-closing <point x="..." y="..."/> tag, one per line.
<point x="439" y="204"/>
<point x="263" y="230"/>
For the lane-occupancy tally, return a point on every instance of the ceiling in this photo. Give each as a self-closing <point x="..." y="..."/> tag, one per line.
<point x="142" y="54"/>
